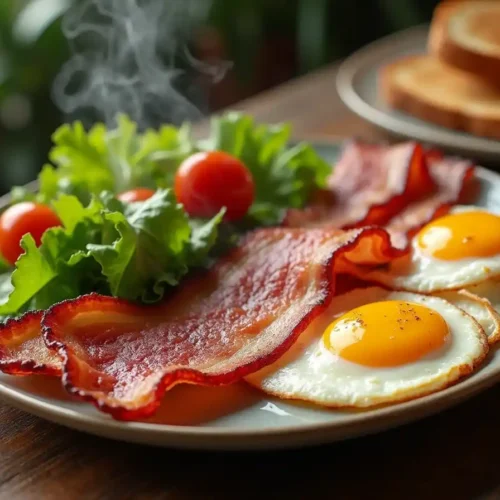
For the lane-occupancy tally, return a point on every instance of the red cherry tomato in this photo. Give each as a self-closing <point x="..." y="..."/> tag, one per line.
<point x="205" y="182"/>
<point x="139" y="194"/>
<point x="20" y="219"/>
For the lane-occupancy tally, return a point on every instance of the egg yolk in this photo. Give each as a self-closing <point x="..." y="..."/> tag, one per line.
<point x="461" y="235"/>
<point x="385" y="334"/>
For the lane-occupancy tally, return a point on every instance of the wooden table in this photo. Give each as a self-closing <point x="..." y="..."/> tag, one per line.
<point x="452" y="455"/>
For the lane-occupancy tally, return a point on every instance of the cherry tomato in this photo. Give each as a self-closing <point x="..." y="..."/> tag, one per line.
<point x="20" y="219"/>
<point x="138" y="194"/>
<point x="205" y="182"/>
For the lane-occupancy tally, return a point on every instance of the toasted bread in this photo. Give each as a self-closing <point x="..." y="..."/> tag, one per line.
<point x="429" y="89"/>
<point x="466" y="35"/>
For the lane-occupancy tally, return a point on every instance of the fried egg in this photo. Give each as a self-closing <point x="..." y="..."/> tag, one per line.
<point x="459" y="249"/>
<point x="482" y="302"/>
<point x="373" y="346"/>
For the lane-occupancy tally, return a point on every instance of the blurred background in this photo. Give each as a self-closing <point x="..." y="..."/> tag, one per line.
<point x="267" y="42"/>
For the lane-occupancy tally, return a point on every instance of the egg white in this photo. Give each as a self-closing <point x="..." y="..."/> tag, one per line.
<point x="482" y="302"/>
<point x="310" y="372"/>
<point x="417" y="272"/>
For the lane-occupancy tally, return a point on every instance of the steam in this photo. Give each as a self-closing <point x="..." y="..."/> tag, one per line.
<point x="126" y="58"/>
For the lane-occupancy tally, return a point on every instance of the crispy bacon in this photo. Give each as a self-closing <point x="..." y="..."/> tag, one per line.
<point x="240" y="316"/>
<point x="369" y="184"/>
<point x="451" y="176"/>
<point x="400" y="187"/>
<point x="22" y="349"/>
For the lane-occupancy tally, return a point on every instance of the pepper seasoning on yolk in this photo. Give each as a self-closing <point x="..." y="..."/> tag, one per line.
<point x="385" y="334"/>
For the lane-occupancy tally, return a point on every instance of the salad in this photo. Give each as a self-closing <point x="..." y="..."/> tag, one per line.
<point x="129" y="214"/>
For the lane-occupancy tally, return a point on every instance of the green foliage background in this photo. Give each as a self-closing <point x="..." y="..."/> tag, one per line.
<point x="32" y="49"/>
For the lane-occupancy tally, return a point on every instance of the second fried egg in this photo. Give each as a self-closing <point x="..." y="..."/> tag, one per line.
<point x="457" y="250"/>
<point x="373" y="346"/>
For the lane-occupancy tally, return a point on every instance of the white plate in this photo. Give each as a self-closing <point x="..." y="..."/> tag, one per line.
<point x="357" y="86"/>
<point x="238" y="417"/>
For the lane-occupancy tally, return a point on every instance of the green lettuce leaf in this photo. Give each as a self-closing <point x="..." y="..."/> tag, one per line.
<point x="206" y="238"/>
<point x="86" y="163"/>
<point x="161" y="153"/>
<point x="82" y="162"/>
<point x="32" y="273"/>
<point x="149" y="250"/>
<point x="71" y="212"/>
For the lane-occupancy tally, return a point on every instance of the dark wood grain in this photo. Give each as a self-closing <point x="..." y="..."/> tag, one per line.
<point x="451" y="455"/>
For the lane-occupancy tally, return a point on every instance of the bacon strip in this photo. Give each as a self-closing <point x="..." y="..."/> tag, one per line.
<point x="242" y="315"/>
<point x="451" y="176"/>
<point x="400" y="187"/>
<point x="23" y="350"/>
<point x="369" y="184"/>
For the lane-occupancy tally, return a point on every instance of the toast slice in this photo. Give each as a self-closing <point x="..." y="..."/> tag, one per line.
<point x="429" y="89"/>
<point x="466" y="35"/>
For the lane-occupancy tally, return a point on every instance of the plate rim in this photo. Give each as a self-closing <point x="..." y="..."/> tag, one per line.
<point x="209" y="437"/>
<point x="422" y="131"/>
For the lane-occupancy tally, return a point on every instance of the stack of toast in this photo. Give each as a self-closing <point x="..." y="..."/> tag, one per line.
<point x="457" y="83"/>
